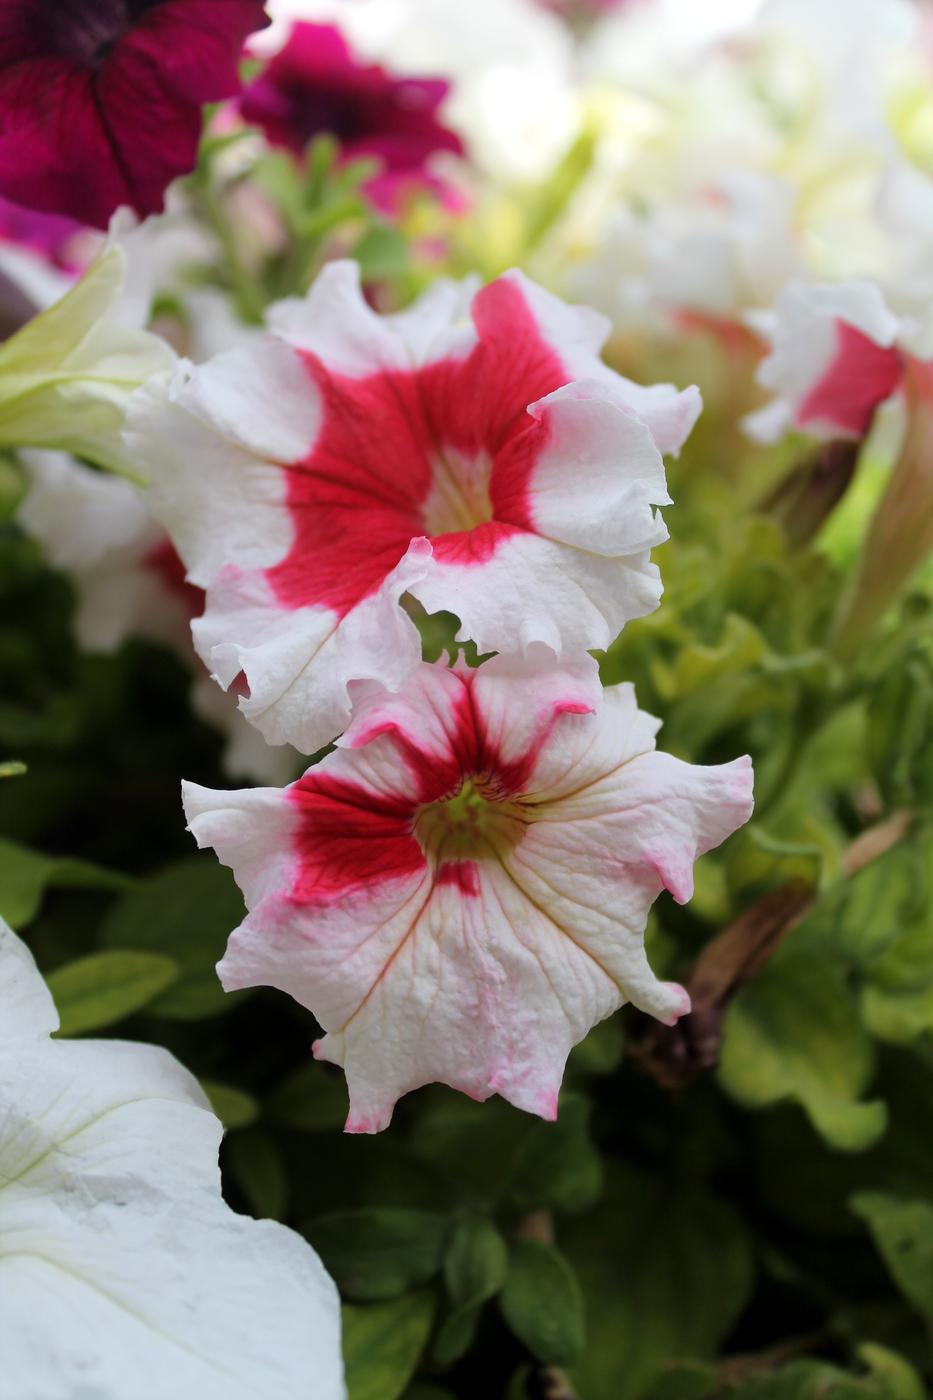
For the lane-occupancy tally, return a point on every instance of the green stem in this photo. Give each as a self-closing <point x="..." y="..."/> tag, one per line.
<point x="249" y="300"/>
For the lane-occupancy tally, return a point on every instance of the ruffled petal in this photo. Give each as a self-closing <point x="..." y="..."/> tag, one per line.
<point x="833" y="360"/>
<point x="302" y="661"/>
<point x="560" y="596"/>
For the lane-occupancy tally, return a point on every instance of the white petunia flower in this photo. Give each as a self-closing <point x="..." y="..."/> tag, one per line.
<point x="122" y="1271"/>
<point x="129" y="582"/>
<point x="460" y="890"/>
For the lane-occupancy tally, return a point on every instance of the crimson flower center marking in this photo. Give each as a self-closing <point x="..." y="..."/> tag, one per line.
<point x="86" y="30"/>
<point x="459" y="498"/>
<point x="470" y="825"/>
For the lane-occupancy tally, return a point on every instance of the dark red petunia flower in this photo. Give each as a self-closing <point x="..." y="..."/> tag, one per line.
<point x="100" y="100"/>
<point x="315" y="84"/>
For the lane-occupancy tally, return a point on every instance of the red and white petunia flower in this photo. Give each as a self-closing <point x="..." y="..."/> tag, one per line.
<point x="835" y="359"/>
<point x="459" y="891"/>
<point x="472" y="451"/>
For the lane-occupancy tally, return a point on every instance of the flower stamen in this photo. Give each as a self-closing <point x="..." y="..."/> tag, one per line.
<point x="469" y="825"/>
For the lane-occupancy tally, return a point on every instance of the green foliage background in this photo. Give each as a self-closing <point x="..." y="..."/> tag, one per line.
<point x="739" y="1209"/>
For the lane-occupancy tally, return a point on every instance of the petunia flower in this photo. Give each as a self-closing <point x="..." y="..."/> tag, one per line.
<point x="100" y="100"/>
<point x="316" y="84"/>
<point x="459" y="891"/>
<point x="474" y="453"/>
<point x="697" y="259"/>
<point x="52" y="236"/>
<point x="834" y="360"/>
<point x="67" y="375"/>
<point x="129" y="582"/>
<point x="122" y="1271"/>
<point x="515" y="93"/>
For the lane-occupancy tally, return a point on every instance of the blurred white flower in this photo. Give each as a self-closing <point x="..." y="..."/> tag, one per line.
<point x="129" y="582"/>
<point x="123" y="1273"/>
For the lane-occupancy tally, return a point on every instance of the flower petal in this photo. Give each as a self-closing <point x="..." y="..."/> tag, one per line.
<point x="300" y="667"/>
<point x="108" y="1157"/>
<point x="832" y="363"/>
<point x="559" y="595"/>
<point x="28" y="1008"/>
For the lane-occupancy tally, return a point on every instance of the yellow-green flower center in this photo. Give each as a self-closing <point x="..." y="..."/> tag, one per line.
<point x="469" y="825"/>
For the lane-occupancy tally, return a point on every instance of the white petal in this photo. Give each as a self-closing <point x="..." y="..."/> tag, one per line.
<point x="26" y="1005"/>
<point x="122" y="1272"/>
<point x="557" y="594"/>
<point x="302" y="660"/>
<point x="202" y="478"/>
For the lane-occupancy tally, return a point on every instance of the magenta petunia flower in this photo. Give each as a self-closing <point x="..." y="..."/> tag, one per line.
<point x="100" y="100"/>
<point x="460" y="891"/>
<point x="50" y="235"/>
<point x="315" y="84"/>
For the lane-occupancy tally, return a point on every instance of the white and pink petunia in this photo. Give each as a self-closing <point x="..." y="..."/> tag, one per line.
<point x="459" y="891"/>
<point x="472" y="451"/>
<point x="835" y="358"/>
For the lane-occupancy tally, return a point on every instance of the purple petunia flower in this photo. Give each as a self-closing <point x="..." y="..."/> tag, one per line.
<point x="100" y="100"/>
<point x="315" y="84"/>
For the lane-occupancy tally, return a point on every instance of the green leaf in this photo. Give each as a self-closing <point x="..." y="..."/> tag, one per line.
<point x="665" y="1271"/>
<point x="311" y="1099"/>
<point x="903" y="1232"/>
<point x="898" y="1016"/>
<point x="761" y="860"/>
<point x="542" y="1302"/>
<point x="476" y="1262"/>
<point x="382" y="1344"/>
<point x="234" y="1107"/>
<point x="794" y="1033"/>
<point x="187" y="910"/>
<point x="256" y="1164"/>
<point x="740" y="647"/>
<point x="889" y="1377"/>
<point x="896" y="1378"/>
<point x="601" y="1051"/>
<point x="877" y="903"/>
<point x="25" y="875"/>
<point x="379" y="1252"/>
<point x="382" y="253"/>
<point x="455" y="1335"/>
<point x="12" y="768"/>
<point x="557" y="1164"/>
<point x="102" y="988"/>
<point x="688" y="1382"/>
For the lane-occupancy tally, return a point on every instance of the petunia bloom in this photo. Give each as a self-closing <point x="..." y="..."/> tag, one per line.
<point x="472" y="451"/>
<point x="834" y="360"/>
<point x="100" y="100"/>
<point x="459" y="891"/>
<point x="122" y="1271"/>
<point x="129" y="582"/>
<point x="66" y="376"/>
<point x="315" y="84"/>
